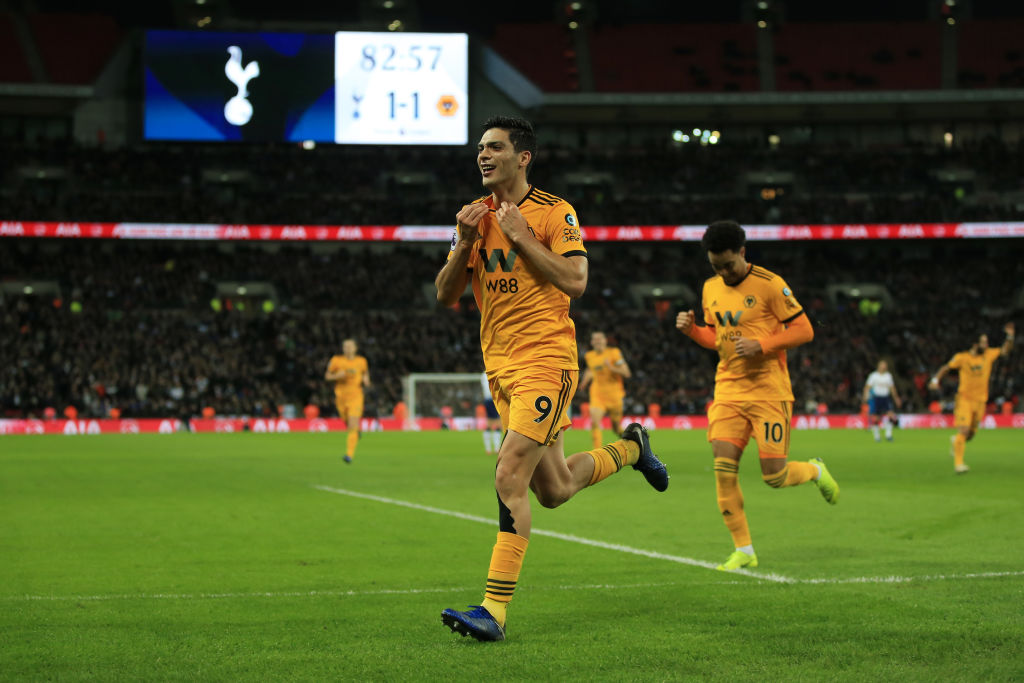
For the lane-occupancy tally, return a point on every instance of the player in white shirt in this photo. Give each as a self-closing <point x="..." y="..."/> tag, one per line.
<point x="880" y="393"/>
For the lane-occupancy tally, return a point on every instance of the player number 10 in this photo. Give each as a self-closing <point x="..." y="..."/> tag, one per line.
<point x="400" y="105"/>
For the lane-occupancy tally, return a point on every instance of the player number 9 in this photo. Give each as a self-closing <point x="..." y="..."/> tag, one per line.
<point x="543" y="406"/>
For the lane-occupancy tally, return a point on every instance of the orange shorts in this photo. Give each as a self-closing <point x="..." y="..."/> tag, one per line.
<point x="349" y="405"/>
<point x="968" y="413"/>
<point x="534" y="401"/>
<point x="609" y="404"/>
<point x="767" y="421"/>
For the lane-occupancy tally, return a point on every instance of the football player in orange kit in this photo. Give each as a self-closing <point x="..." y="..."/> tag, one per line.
<point x="975" y="368"/>
<point x="522" y="250"/>
<point x="750" y="317"/>
<point x="350" y="374"/>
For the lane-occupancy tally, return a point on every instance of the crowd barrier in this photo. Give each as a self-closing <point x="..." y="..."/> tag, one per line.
<point x="333" y="424"/>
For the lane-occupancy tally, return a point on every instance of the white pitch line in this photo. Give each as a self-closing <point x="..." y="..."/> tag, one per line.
<point x="303" y="594"/>
<point x="778" y="578"/>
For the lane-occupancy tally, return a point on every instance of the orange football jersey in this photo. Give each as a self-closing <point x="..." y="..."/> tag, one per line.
<point x="355" y="369"/>
<point x="756" y="307"/>
<point x="605" y="381"/>
<point x="524" y="318"/>
<point x="975" y="372"/>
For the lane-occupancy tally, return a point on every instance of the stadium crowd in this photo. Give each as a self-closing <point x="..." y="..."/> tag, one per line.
<point x="145" y="329"/>
<point x="667" y="183"/>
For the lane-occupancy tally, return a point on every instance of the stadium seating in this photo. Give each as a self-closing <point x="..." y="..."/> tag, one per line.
<point x="133" y="327"/>
<point x="13" y="65"/>
<point x="990" y="54"/>
<point x="858" y="56"/>
<point x="74" y="47"/>
<point x="674" y="58"/>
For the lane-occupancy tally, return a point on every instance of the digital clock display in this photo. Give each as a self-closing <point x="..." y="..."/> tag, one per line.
<point x="347" y="87"/>
<point x="400" y="88"/>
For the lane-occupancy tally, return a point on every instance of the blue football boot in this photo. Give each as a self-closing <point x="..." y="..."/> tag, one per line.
<point x="653" y="469"/>
<point x="476" y="622"/>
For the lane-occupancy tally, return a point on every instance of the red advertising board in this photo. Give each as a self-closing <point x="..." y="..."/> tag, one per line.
<point x="260" y="425"/>
<point x="443" y="233"/>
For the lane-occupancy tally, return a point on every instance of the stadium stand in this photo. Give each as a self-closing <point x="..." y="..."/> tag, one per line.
<point x="134" y="327"/>
<point x="858" y="56"/>
<point x="674" y="57"/>
<point x="990" y="54"/>
<point x="74" y="47"/>
<point x="13" y="65"/>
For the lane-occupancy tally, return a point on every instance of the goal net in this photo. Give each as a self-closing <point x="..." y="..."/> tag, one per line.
<point x="444" y="394"/>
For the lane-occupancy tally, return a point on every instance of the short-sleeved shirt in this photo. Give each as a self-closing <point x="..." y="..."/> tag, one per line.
<point x="880" y="383"/>
<point x="355" y="369"/>
<point x="756" y="307"/>
<point x="524" y="318"/>
<point x="599" y="363"/>
<point x="975" y="371"/>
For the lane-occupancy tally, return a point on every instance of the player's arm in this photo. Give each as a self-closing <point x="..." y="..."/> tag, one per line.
<point x="896" y="395"/>
<point x="567" y="273"/>
<point x="1007" y="346"/>
<point x="451" y="281"/>
<point x="366" y="377"/>
<point x="333" y="375"/>
<point x="705" y="336"/>
<point x="867" y="391"/>
<point x="936" y="379"/>
<point x="621" y="367"/>
<point x="588" y="375"/>
<point x="796" y="332"/>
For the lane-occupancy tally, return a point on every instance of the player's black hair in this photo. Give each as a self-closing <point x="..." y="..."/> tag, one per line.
<point x="520" y="133"/>
<point x="723" y="236"/>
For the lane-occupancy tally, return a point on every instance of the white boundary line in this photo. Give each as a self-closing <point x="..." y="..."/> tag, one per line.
<point x="778" y="578"/>
<point x="461" y="589"/>
<point x="764" y="576"/>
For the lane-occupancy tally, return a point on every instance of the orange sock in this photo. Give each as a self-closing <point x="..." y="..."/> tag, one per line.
<point x="595" y="437"/>
<point x="793" y="474"/>
<point x="611" y="458"/>
<point x="730" y="500"/>
<point x="350" y="445"/>
<point x="503" y="574"/>
<point x="959" y="446"/>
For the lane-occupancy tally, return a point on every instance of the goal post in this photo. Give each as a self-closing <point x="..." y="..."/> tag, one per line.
<point x="427" y="392"/>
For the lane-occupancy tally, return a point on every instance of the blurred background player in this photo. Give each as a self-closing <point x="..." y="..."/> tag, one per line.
<point x="974" y="367"/>
<point x="880" y="394"/>
<point x="350" y="374"/>
<point x="523" y="252"/>
<point x="605" y="372"/>
<point x="751" y="317"/>
<point x="492" y="427"/>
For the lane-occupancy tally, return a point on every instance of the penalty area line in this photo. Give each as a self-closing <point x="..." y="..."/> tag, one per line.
<point x="764" y="576"/>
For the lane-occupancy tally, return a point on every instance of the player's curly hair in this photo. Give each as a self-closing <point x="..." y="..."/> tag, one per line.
<point x="723" y="236"/>
<point x="520" y="133"/>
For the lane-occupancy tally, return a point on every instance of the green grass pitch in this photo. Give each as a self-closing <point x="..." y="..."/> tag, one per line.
<point x="215" y="557"/>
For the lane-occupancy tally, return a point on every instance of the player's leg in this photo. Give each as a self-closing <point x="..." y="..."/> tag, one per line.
<point x="963" y="420"/>
<point x="355" y="414"/>
<point x="615" y="413"/>
<point x="532" y="406"/>
<point x="771" y="422"/>
<point x="597" y="413"/>
<point x="891" y="417"/>
<point x="341" y="403"/>
<point x="728" y="433"/>
<point x="875" y="418"/>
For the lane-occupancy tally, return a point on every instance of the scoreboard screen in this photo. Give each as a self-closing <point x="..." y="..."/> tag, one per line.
<point x="400" y="88"/>
<point x="350" y="87"/>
